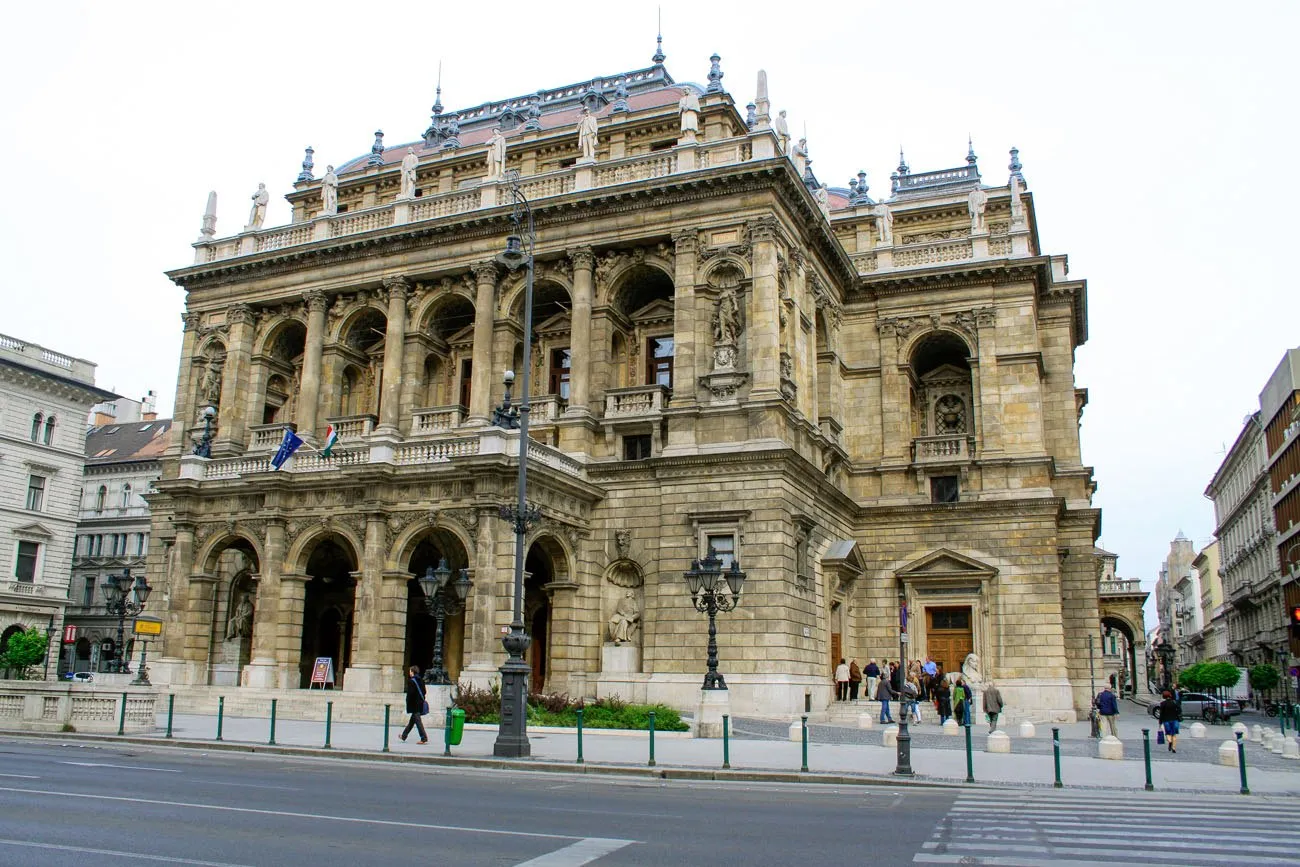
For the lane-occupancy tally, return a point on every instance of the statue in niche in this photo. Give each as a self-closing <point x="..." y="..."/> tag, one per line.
<point x="689" y="106"/>
<point x="210" y="390"/>
<point x="726" y="320"/>
<point x="884" y="224"/>
<point x="587" y="137"/>
<point x="626" y="616"/>
<point x="240" y="624"/>
<point x="410" y="163"/>
<point x="975" y="204"/>
<point x="496" y="155"/>
<point x="257" y="215"/>
<point x="329" y="192"/>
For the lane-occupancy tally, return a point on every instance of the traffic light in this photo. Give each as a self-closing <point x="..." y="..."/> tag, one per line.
<point x="1295" y="615"/>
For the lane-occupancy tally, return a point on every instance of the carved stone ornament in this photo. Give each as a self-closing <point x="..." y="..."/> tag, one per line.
<point x="625" y="573"/>
<point x="622" y="542"/>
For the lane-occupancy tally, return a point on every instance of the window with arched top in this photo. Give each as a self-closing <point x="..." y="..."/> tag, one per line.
<point x="36" y="426"/>
<point x="126" y="496"/>
<point x="101" y="498"/>
<point x="49" y="431"/>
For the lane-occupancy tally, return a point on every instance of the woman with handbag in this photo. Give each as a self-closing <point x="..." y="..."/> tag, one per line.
<point x="1169" y="715"/>
<point x="417" y="705"/>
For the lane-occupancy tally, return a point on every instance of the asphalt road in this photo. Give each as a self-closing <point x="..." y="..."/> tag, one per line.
<point x="70" y="803"/>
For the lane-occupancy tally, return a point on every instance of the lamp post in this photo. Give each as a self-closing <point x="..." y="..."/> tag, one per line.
<point x="444" y="598"/>
<point x="142" y="671"/>
<point x="1093" y="720"/>
<point x="512" y="733"/>
<point x="203" y="446"/>
<point x="903" y="759"/>
<point x="124" y="599"/>
<point x="709" y="595"/>
<point x="1166" y="654"/>
<point x="1284" y="677"/>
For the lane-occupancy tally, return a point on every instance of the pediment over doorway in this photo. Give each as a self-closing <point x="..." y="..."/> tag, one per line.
<point x="944" y="565"/>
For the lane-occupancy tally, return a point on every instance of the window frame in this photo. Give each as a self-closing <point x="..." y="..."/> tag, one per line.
<point x="33" y="557"/>
<point x="657" y="363"/>
<point x="36" y="487"/>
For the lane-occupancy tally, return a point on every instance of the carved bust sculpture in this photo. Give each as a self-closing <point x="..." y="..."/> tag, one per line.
<point x="622" y="624"/>
<point x="970" y="669"/>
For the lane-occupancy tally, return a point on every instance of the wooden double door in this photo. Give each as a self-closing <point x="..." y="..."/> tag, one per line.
<point x="948" y="636"/>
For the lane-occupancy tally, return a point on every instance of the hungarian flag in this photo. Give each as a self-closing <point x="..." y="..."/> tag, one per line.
<point x="290" y="444"/>
<point x="331" y="437"/>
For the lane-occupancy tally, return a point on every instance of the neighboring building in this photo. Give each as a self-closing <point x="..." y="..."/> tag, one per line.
<point x="44" y="396"/>
<point x="1211" y="643"/>
<point x="1123" y="627"/>
<point x="1178" y="599"/>
<point x="863" y="402"/>
<point x="1248" y="557"/>
<point x="1279" y="405"/>
<point x="123" y="460"/>
<point x="122" y="410"/>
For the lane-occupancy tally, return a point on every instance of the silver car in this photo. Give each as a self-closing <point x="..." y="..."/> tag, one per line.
<point x="1198" y="705"/>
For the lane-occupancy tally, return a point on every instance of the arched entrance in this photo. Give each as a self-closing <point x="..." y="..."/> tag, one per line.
<point x="544" y="563"/>
<point x="1119" y="655"/>
<point x="420" y="626"/>
<point x="328" y="608"/>
<point x="235" y="564"/>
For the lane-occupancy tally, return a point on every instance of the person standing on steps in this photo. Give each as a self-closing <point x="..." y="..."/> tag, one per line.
<point x="855" y="680"/>
<point x="1169" y="716"/>
<point x="842" y="681"/>
<point x="873" y="677"/>
<point x="417" y="705"/>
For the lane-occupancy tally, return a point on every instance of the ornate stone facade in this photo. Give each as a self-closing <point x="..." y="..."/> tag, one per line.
<point x="853" y="411"/>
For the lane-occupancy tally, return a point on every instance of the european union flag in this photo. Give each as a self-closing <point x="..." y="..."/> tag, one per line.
<point x="288" y="446"/>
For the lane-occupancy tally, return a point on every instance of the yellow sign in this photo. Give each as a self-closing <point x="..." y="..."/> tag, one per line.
<point x="148" y="627"/>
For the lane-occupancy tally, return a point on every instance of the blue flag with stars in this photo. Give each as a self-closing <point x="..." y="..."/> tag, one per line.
<point x="288" y="446"/>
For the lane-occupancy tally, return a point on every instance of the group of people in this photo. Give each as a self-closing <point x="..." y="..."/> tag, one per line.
<point x="1169" y="713"/>
<point x="919" y="681"/>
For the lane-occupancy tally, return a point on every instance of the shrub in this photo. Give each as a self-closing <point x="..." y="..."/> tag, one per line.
<point x="557" y="709"/>
<point x="24" y="650"/>
<point x="1264" y="678"/>
<point x="480" y="705"/>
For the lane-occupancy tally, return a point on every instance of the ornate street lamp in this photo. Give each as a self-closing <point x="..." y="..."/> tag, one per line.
<point x="903" y="752"/>
<point x="512" y="732"/>
<point x="709" y="594"/>
<point x="1284" y="676"/>
<point x="444" y="598"/>
<point x="1166" y="653"/>
<point x="203" y="446"/>
<point x="124" y="599"/>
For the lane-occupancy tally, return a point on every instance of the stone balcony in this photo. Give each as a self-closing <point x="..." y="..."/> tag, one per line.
<point x="943" y="450"/>
<point x="637" y="403"/>
<point x="436" y="420"/>
<point x="1123" y="587"/>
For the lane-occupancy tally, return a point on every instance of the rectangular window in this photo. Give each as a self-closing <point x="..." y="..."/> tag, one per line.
<point x="25" y="568"/>
<point x="466" y="379"/>
<point x="944" y="489"/>
<point x="659" y="361"/>
<point x="561" y="364"/>
<point x="99" y="545"/>
<point x="35" y="492"/>
<point x="949" y="618"/>
<point x="141" y="540"/>
<point x="88" y="592"/>
<point x="636" y="448"/>
<point x="723" y="546"/>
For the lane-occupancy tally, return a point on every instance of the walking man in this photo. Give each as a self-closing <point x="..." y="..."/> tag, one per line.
<point x="885" y="692"/>
<point x="416" y="705"/>
<point x="1108" y="708"/>
<point x="992" y="704"/>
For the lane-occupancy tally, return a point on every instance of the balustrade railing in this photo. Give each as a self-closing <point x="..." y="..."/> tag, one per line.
<point x="233" y="468"/>
<point x="364" y="221"/>
<point x="435" y="452"/>
<point x="22" y="588"/>
<point x="637" y="168"/>
<point x="640" y="400"/>
<point x="432" y="207"/>
<point x="436" y="419"/>
<point x="949" y="448"/>
<point x="300" y="234"/>
<point x="1123" y="586"/>
<point x="315" y="462"/>
<point x="265" y="436"/>
<point x="353" y="427"/>
<point x="545" y="408"/>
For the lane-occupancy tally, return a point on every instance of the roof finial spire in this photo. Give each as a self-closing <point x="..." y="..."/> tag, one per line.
<point x="902" y="162"/>
<point x="659" y="39"/>
<point x="437" y="102"/>
<point x="970" y="150"/>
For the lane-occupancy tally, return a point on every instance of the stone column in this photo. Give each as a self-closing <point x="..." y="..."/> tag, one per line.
<point x="584" y="262"/>
<point x="763" y="325"/>
<point x="566" y="651"/>
<point x="261" y="671"/>
<point x="482" y="638"/>
<point x="362" y="675"/>
<point x="232" y="417"/>
<point x="392" y="629"/>
<point x="197" y="642"/>
<point x="480" y="391"/>
<point x="288" y="649"/>
<point x="804" y="367"/>
<point x="398" y="288"/>
<point x="895" y="406"/>
<point x="183" y="411"/>
<point x="988" y="394"/>
<point x="178" y="574"/>
<point x="686" y="321"/>
<point x="306" y="411"/>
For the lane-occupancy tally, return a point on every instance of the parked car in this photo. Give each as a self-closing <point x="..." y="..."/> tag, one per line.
<point x="80" y="676"/>
<point x="1198" y="705"/>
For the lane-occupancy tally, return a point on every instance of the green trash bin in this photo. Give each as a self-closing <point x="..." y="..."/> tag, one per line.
<point x="457" y="727"/>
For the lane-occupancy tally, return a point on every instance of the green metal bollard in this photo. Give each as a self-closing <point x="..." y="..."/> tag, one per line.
<point x="171" y="707"/>
<point x="1281" y="720"/>
<point x="329" y="722"/>
<point x="446" y="733"/>
<point x="388" y="709"/>
<point x="803" y="736"/>
<point x="1146" y="757"/>
<point x="1241" y="763"/>
<point x="579" y="735"/>
<point x="652" y="739"/>
<point x="271" y="742"/>
<point x="221" y="714"/>
<point x="121" y="719"/>
<point x="1056" y="757"/>
<point x="726" y="742"/>
<point x="970" y="759"/>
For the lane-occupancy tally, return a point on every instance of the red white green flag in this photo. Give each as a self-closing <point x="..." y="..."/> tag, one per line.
<point x="331" y="437"/>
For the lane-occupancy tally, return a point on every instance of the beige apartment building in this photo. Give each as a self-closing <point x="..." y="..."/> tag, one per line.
<point x="867" y="397"/>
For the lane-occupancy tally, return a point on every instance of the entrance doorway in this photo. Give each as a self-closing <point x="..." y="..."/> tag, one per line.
<point x="948" y="636"/>
<point x="537" y="613"/>
<point x="327" y="610"/>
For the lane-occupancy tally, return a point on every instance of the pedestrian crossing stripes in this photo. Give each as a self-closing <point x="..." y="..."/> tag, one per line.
<point x="1037" y="827"/>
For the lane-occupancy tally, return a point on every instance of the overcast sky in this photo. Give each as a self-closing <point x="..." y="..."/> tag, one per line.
<point x="1158" y="139"/>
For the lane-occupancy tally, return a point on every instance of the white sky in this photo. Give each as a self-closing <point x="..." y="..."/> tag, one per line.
<point x="1158" y="139"/>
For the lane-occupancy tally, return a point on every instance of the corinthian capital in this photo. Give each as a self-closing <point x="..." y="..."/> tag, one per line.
<point x="240" y="314"/>
<point x="190" y="320"/>
<point x="583" y="258"/>
<point x="396" y="288"/>
<point x="317" y="301"/>
<point x="486" y="271"/>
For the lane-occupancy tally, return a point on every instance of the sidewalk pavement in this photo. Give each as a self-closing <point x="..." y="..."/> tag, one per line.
<point x="864" y="762"/>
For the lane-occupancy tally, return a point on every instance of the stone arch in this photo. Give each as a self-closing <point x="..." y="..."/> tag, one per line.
<point x="404" y="545"/>
<point x="209" y="553"/>
<point x="352" y="314"/>
<point x="942" y="395"/>
<point x="630" y="287"/>
<point x="546" y="561"/>
<point x="512" y="293"/>
<point x="444" y="313"/>
<point x="443" y="361"/>
<point x="614" y="269"/>
<point x="274" y="331"/>
<point x="427" y="548"/>
<point x="331" y="563"/>
<point x="300" y="550"/>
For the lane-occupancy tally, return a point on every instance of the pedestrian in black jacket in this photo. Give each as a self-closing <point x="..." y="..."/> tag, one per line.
<point x="416" y="705"/>
<point x="1170" y="713"/>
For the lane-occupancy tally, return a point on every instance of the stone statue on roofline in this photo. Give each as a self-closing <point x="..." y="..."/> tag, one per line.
<point x="496" y="155"/>
<point x="257" y="215"/>
<point x="783" y="131"/>
<point x="410" y="162"/>
<point x="587" y="137"/>
<point x="884" y="224"/>
<point x="975" y="204"/>
<point x="329" y="193"/>
<point x="689" y="106"/>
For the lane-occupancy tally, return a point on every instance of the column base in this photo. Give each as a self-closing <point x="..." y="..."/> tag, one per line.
<point x="260" y="674"/>
<point x="364" y="678"/>
<point x="714" y="703"/>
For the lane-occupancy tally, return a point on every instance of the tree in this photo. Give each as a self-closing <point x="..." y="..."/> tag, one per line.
<point x="1220" y="675"/>
<point x="24" y="650"/>
<point x="1264" y="678"/>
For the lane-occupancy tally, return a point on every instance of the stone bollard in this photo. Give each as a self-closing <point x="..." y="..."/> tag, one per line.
<point x="1240" y="729"/>
<point x="864" y="720"/>
<point x="1228" y="754"/>
<point x="1110" y="747"/>
<point x="796" y="731"/>
<point x="890" y="738"/>
<point x="950" y="727"/>
<point x="1278" y="744"/>
<point x="1196" y="730"/>
<point x="997" y="742"/>
<point x="1290" y="748"/>
<point x="1256" y="733"/>
<point x="1027" y="729"/>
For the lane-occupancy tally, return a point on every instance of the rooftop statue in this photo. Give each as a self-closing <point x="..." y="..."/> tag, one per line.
<point x="587" y="137"/>
<point x="496" y="156"/>
<point x="689" y="106"/>
<point x="783" y="131"/>
<point x="257" y="215"/>
<point x="329" y="193"/>
<point x="884" y="224"/>
<point x="410" y="163"/>
<point x="975" y="204"/>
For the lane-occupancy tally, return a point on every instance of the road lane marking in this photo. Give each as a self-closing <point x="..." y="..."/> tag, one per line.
<point x="391" y="823"/>
<point x="21" y="776"/>
<point x="138" y="856"/>
<point x="121" y="767"/>
<point x="582" y="852"/>
<point x="242" y="785"/>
